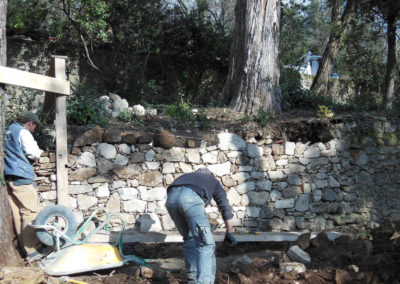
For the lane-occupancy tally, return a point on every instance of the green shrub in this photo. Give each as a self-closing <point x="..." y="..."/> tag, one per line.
<point x="180" y="110"/>
<point x="203" y="120"/>
<point x="126" y="116"/>
<point x="85" y="108"/>
<point x="246" y="119"/>
<point x="262" y="117"/>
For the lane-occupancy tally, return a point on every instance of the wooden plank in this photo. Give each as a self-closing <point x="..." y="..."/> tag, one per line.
<point x="175" y="237"/>
<point x="34" y="81"/>
<point x="58" y="65"/>
<point x="49" y="103"/>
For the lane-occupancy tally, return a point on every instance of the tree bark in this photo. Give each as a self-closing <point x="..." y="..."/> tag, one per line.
<point x="339" y="26"/>
<point x="253" y="80"/>
<point x="391" y="61"/>
<point x="8" y="254"/>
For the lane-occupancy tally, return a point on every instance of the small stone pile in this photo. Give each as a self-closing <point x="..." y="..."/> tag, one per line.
<point x="115" y="105"/>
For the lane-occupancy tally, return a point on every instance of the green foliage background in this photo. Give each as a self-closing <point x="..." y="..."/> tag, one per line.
<point x="156" y="52"/>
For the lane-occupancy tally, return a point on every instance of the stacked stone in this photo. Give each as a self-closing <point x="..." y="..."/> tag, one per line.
<point x="271" y="185"/>
<point x="45" y="168"/>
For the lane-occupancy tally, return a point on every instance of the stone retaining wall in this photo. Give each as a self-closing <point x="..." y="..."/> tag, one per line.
<point x="272" y="185"/>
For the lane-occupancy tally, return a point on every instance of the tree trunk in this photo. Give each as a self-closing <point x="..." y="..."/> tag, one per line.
<point x="8" y="253"/>
<point x="339" y="25"/>
<point x="253" y="80"/>
<point x="391" y="61"/>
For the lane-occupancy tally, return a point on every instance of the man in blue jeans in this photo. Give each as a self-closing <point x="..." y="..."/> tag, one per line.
<point x="187" y="197"/>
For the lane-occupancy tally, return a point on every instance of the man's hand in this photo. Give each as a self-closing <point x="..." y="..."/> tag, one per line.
<point x="230" y="240"/>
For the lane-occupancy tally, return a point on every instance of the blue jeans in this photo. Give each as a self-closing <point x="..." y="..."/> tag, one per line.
<point x="187" y="211"/>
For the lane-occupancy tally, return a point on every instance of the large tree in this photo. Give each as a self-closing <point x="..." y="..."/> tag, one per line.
<point x="253" y="80"/>
<point x="339" y="24"/>
<point x="8" y="254"/>
<point x="389" y="11"/>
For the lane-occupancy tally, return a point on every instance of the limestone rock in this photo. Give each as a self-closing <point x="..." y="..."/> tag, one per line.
<point x="144" y="139"/>
<point x="113" y="205"/>
<point x="82" y="174"/>
<point x="292" y="266"/>
<point x="129" y="171"/>
<point x="22" y="275"/>
<point x="121" y="160"/>
<point x="278" y="149"/>
<point x="229" y="141"/>
<point x="285" y="203"/>
<point x="130" y="138"/>
<point x="94" y="135"/>
<point x="79" y="188"/>
<point x="139" y="110"/>
<point x="297" y="254"/>
<point x="137" y="157"/>
<point x="150" y="178"/>
<point x="258" y="198"/>
<point x="254" y="151"/>
<point x="137" y="206"/>
<point x="85" y="202"/>
<point x="107" y="151"/>
<point x="104" y="165"/>
<point x="150" y="223"/>
<point x="157" y="193"/>
<point x="87" y="159"/>
<point x="220" y="169"/>
<point x="98" y="179"/>
<point x="164" y="139"/>
<point x="112" y="136"/>
<point x="175" y="154"/>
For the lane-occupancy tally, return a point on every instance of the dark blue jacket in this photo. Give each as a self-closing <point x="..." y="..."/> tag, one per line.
<point x="208" y="187"/>
<point x="15" y="162"/>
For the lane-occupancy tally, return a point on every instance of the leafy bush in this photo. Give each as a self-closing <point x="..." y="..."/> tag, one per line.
<point x="131" y="117"/>
<point x="246" y="119"/>
<point x="203" y="120"/>
<point x="324" y="112"/>
<point x="85" y="108"/>
<point x="25" y="17"/>
<point x="180" y="110"/>
<point x="125" y="116"/>
<point x="262" y="117"/>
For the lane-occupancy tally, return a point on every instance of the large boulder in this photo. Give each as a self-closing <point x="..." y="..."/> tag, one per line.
<point x="164" y="139"/>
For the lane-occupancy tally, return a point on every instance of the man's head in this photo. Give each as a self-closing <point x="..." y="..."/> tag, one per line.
<point x="203" y="170"/>
<point x="30" y="120"/>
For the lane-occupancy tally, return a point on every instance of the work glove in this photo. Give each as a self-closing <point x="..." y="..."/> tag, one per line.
<point x="230" y="240"/>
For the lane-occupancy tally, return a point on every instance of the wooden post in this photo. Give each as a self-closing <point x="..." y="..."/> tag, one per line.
<point x="56" y="88"/>
<point x="57" y="70"/>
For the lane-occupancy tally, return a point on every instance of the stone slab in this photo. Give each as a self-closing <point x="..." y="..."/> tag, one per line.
<point x="175" y="237"/>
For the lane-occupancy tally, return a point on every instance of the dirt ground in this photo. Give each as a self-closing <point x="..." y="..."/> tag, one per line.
<point x="366" y="257"/>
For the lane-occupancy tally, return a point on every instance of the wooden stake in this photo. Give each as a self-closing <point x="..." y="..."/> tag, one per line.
<point x="57" y="66"/>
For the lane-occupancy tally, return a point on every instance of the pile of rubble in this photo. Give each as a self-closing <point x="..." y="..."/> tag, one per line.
<point x="115" y="105"/>
<point x="372" y="259"/>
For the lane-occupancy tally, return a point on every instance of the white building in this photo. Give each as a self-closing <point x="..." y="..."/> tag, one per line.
<point x="311" y="65"/>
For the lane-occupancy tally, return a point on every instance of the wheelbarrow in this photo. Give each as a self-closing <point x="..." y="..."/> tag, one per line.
<point x="55" y="226"/>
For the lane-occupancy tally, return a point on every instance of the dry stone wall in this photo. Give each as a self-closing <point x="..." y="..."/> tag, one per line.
<point x="271" y="185"/>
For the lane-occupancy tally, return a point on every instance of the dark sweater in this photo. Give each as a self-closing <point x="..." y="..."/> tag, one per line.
<point x="208" y="187"/>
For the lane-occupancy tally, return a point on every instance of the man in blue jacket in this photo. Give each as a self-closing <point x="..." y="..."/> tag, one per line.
<point x="187" y="197"/>
<point x="20" y="147"/>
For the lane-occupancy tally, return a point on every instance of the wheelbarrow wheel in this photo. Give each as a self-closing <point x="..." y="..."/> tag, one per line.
<point x="58" y="216"/>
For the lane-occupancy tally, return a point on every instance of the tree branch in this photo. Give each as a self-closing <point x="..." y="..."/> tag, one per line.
<point x="87" y="54"/>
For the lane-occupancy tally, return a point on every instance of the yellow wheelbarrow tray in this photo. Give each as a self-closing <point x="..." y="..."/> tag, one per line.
<point x="82" y="258"/>
<point x="79" y="256"/>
